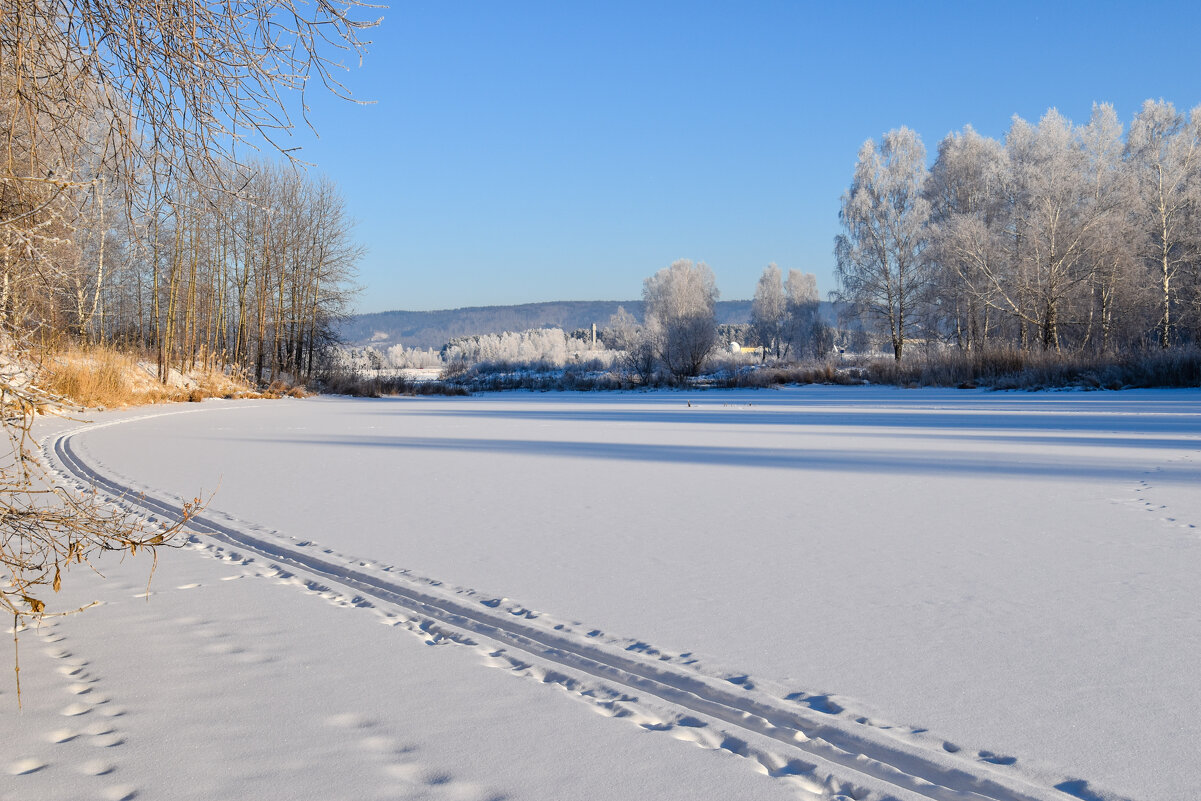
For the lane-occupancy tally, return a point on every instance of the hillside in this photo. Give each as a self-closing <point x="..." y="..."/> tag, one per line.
<point x="432" y="329"/>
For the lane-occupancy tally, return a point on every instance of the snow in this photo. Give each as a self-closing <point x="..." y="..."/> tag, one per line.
<point x="994" y="589"/>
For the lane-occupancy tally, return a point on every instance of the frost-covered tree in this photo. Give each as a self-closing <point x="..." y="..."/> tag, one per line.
<point x="1059" y="208"/>
<point x="630" y="339"/>
<point x="966" y="194"/>
<point x="1164" y="153"/>
<point x="1062" y="237"/>
<point x="1030" y="232"/>
<point x="399" y="357"/>
<point x="1112" y="306"/>
<point x="881" y="271"/>
<point x="767" y="311"/>
<point x="680" y="318"/>
<point x="543" y="347"/>
<point x="803" y="331"/>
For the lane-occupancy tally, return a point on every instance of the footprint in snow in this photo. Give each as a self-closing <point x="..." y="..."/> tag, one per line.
<point x="349" y="720"/>
<point x="23" y="767"/>
<point x="108" y="740"/>
<point x="120" y="792"/>
<point x="95" y="767"/>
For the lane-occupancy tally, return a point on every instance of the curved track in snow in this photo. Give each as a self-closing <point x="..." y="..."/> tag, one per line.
<point x="824" y="755"/>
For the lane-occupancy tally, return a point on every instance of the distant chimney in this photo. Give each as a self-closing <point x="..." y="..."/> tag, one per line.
<point x="594" y="336"/>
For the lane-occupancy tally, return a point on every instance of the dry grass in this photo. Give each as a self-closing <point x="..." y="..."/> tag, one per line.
<point x="993" y="369"/>
<point x="101" y="377"/>
<point x="1015" y="369"/>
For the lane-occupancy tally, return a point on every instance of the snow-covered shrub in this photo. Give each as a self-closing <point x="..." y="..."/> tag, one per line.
<point x="545" y="348"/>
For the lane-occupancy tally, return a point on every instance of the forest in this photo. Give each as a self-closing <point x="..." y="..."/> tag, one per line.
<point x="135" y="211"/>
<point x="147" y="206"/>
<point x="1062" y="238"/>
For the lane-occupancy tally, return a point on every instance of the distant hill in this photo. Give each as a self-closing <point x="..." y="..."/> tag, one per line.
<point x="433" y="329"/>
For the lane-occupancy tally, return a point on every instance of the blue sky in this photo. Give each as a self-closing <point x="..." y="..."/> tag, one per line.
<point x="529" y="151"/>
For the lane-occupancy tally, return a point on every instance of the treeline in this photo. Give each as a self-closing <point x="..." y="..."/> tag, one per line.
<point x="256" y="278"/>
<point x="125" y="217"/>
<point x="1062" y="238"/>
<point x="542" y="347"/>
<point x="679" y="336"/>
<point x="433" y="329"/>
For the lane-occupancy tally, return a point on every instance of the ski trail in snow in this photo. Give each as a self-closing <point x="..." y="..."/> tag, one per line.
<point x="800" y="738"/>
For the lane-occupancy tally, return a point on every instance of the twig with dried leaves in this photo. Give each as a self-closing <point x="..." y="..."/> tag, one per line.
<point x="45" y="528"/>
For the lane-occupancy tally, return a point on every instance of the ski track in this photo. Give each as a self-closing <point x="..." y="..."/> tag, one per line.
<point x="807" y="740"/>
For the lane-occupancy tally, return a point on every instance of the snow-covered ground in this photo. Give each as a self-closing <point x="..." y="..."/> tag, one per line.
<point x="885" y="593"/>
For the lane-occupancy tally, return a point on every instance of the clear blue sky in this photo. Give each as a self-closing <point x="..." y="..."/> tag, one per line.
<point x="530" y="151"/>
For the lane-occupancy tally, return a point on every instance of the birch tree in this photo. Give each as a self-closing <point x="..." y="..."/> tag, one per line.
<point x="1164" y="153"/>
<point x="802" y="328"/>
<point x="767" y="311"/>
<point x="966" y="195"/>
<point x="881" y="270"/>
<point x="1059" y="207"/>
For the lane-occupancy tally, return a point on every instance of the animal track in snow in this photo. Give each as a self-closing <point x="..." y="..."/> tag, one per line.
<point x="89" y="728"/>
<point x="400" y="762"/>
<point x="23" y="767"/>
<point x="61" y="736"/>
<point x="1145" y="499"/>
<point x="74" y="710"/>
<point x="95" y="767"/>
<point x="120" y="792"/>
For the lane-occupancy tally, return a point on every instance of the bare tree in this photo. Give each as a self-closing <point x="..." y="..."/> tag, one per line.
<point x="881" y="271"/>
<point x="176" y="81"/>
<point x="114" y="105"/>
<point x="680" y="317"/>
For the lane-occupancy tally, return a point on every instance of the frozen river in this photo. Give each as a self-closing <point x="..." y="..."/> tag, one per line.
<point x="996" y="582"/>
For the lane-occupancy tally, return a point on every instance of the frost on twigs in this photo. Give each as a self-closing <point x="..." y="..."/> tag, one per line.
<point x="46" y="529"/>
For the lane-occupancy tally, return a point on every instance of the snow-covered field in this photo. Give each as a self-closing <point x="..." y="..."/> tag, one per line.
<point x="875" y="592"/>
